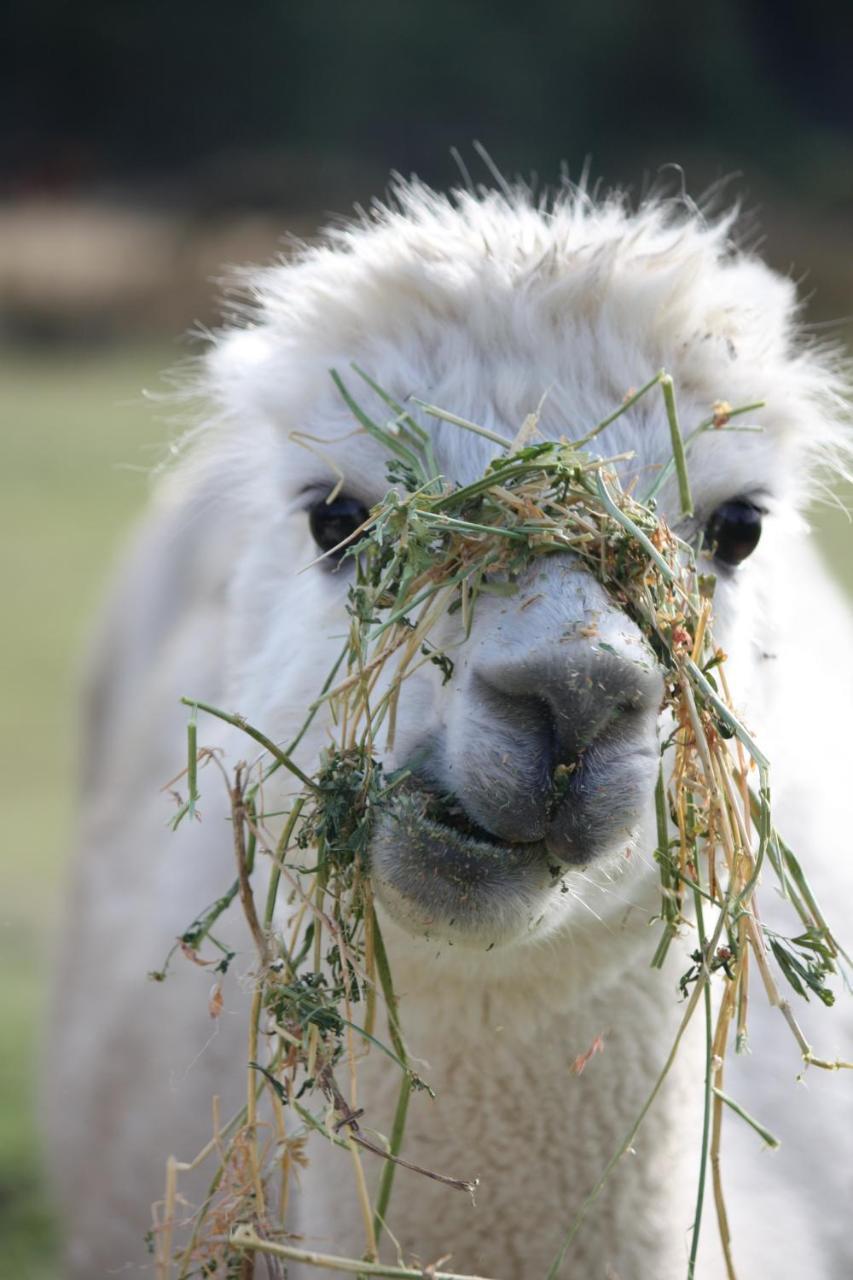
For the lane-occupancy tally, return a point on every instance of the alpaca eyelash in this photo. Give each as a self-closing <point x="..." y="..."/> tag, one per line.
<point x="310" y="495"/>
<point x="763" y="502"/>
<point x="758" y="498"/>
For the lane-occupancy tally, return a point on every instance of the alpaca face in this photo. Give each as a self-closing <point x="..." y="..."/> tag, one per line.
<point x="533" y="766"/>
<point x="534" y="763"/>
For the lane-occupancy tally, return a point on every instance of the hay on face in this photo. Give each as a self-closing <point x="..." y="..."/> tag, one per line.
<point x="323" y="990"/>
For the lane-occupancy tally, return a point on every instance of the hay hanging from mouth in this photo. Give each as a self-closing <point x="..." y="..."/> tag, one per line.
<point x="427" y="549"/>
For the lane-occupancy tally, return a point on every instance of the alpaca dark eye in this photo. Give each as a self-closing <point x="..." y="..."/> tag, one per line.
<point x="733" y="531"/>
<point x="332" y="522"/>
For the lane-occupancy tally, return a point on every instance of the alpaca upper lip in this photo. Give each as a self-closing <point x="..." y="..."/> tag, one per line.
<point x="443" y="809"/>
<point x="577" y="790"/>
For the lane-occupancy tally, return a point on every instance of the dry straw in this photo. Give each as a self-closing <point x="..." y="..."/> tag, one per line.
<point x="426" y="549"/>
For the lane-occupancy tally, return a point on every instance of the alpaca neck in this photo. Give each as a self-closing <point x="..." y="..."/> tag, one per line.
<point x="511" y="1111"/>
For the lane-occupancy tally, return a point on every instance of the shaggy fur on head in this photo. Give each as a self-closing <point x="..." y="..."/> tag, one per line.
<point x="503" y="287"/>
<point x="490" y="305"/>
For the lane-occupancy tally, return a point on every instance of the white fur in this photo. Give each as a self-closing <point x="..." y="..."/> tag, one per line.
<point x="485" y="305"/>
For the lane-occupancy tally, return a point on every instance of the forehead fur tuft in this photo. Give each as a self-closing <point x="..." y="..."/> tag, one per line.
<point x="589" y="295"/>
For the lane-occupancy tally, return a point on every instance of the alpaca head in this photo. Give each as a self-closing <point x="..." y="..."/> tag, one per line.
<point x="533" y="766"/>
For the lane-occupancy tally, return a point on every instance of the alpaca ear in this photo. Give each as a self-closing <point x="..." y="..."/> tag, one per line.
<point x="762" y="325"/>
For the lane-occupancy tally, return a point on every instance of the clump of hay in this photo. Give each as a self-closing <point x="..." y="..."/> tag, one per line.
<point x="429" y="548"/>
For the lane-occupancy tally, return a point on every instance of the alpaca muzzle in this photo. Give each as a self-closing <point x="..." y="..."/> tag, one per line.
<point x="546" y="761"/>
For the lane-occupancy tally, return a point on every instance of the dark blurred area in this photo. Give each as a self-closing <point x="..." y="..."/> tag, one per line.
<point x="143" y="143"/>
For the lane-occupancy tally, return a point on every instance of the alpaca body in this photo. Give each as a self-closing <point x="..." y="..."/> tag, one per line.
<point x="484" y="311"/>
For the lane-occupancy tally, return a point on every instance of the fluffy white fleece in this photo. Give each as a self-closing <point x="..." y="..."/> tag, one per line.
<point x="486" y="304"/>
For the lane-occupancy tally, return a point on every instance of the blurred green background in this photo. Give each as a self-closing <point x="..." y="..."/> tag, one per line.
<point x="143" y="146"/>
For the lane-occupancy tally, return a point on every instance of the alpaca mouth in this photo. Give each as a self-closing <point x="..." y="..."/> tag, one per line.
<point x="443" y="810"/>
<point x="440" y="874"/>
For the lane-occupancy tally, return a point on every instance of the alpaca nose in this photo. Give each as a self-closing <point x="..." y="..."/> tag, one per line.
<point x="559" y="743"/>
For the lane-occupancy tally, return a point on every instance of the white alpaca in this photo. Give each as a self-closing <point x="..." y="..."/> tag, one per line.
<point x="482" y="305"/>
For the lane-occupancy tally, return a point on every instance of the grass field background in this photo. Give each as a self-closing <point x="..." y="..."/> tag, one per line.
<point x="77" y="442"/>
